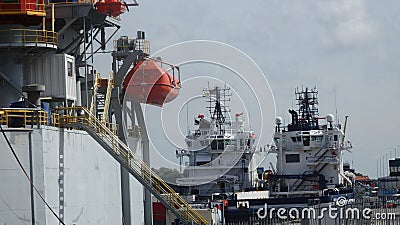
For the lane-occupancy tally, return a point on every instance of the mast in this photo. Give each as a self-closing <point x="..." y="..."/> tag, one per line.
<point x="219" y="112"/>
<point x="307" y="115"/>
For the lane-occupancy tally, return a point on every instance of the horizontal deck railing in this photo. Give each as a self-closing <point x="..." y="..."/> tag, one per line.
<point x="23" y="117"/>
<point x="23" y="8"/>
<point x="28" y="36"/>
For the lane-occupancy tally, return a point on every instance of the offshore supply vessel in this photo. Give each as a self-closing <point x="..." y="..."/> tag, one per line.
<point x="222" y="172"/>
<point x="309" y="152"/>
<point x="219" y="150"/>
<point x="58" y="115"/>
<point x="309" y="171"/>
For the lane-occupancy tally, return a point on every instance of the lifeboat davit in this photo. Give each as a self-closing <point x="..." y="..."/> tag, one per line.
<point x="151" y="84"/>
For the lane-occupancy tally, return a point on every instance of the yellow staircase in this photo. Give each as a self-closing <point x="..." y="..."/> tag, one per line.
<point x="81" y="118"/>
<point x="101" y="96"/>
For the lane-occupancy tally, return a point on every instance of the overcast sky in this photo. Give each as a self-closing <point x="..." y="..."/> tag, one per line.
<point x="352" y="46"/>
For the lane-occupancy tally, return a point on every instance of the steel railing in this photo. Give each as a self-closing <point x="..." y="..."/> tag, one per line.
<point x="95" y="89"/>
<point x="28" y="8"/>
<point x="60" y="119"/>
<point x="80" y="117"/>
<point x="107" y="101"/>
<point x="23" y="117"/>
<point x="128" y="44"/>
<point x="28" y="36"/>
<point x="134" y="131"/>
<point x="70" y="2"/>
<point x="322" y="159"/>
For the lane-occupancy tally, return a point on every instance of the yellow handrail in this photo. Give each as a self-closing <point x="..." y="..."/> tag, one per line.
<point x="28" y="36"/>
<point x="59" y="119"/>
<point x="134" y="131"/>
<point x="70" y="2"/>
<point x="23" y="117"/>
<point x="28" y="8"/>
<point x="81" y="116"/>
<point x="107" y="101"/>
<point x="95" y="88"/>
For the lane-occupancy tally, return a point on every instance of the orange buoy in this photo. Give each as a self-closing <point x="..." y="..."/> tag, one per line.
<point x="151" y="84"/>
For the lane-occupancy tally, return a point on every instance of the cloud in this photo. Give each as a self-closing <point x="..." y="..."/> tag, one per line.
<point x="357" y="31"/>
<point x="351" y="43"/>
<point x="346" y="23"/>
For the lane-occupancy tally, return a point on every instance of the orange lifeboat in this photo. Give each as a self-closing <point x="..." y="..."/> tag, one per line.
<point x="111" y="7"/>
<point x="151" y="84"/>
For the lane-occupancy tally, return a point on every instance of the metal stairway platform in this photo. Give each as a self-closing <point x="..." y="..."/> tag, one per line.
<point x="81" y="118"/>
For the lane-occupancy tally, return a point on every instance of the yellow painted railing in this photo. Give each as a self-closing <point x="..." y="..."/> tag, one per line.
<point x="107" y="101"/>
<point x="26" y="117"/>
<point x="112" y="127"/>
<point x="28" y="36"/>
<point x="60" y="119"/>
<point x="95" y="88"/>
<point x="23" y="8"/>
<point x="134" y="131"/>
<point x="80" y="116"/>
<point x="56" y="119"/>
<point x="74" y="2"/>
<point x="23" y="117"/>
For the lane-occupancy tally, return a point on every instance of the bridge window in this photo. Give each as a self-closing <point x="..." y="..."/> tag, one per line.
<point x="217" y="145"/>
<point x="292" y="158"/>
<point x="201" y="163"/>
<point x="306" y="140"/>
<point x="318" y="138"/>
<point x="293" y="139"/>
<point x="69" y="69"/>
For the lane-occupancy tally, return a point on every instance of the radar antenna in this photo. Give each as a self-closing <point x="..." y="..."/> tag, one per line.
<point x="219" y="111"/>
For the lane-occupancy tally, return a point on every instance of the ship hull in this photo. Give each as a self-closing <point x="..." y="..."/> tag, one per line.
<point x="77" y="178"/>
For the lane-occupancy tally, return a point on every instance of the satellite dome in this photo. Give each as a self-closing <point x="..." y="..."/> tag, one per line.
<point x="278" y="120"/>
<point x="330" y="118"/>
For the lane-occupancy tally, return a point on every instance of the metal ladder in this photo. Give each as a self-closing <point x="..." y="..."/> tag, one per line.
<point x="101" y="97"/>
<point x="96" y="77"/>
<point x="81" y="118"/>
<point x="110" y="86"/>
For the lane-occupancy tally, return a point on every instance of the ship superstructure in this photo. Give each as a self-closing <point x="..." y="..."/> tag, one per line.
<point x="309" y="150"/>
<point x="219" y="150"/>
<point x="308" y="173"/>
